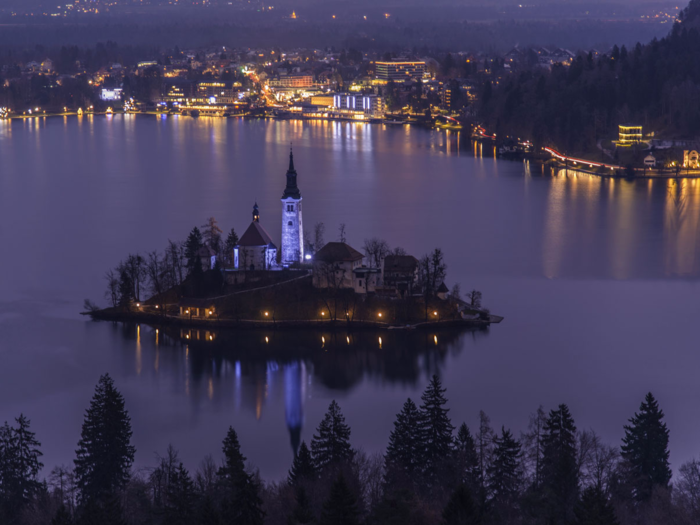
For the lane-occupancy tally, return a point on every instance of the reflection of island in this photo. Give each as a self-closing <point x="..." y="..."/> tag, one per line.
<point x="253" y="369"/>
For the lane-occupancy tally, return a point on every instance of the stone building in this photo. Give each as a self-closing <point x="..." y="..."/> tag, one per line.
<point x="255" y="250"/>
<point x="292" y="226"/>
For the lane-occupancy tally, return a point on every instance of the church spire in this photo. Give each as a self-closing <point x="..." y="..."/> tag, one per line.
<point x="292" y="190"/>
<point x="256" y="213"/>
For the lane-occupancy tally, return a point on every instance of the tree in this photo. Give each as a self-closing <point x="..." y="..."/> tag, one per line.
<point x="341" y="232"/>
<point x="62" y="516"/>
<point x="435" y="427"/>
<point x="404" y="455"/>
<point x="181" y="498"/>
<point x="135" y="266"/>
<point x="193" y="245"/>
<point x="105" y="454"/>
<point x="375" y="251"/>
<point x="560" y="469"/>
<point x="241" y="495"/>
<point x="484" y="448"/>
<point x="504" y="473"/>
<point x="594" y="509"/>
<point x="173" y="259"/>
<point x="687" y="489"/>
<point x="112" y="292"/>
<point x="341" y="506"/>
<point x="466" y="459"/>
<point x="19" y="468"/>
<point x="461" y="509"/>
<point x="211" y="234"/>
<point x="126" y="287"/>
<point x="158" y="275"/>
<point x="474" y="298"/>
<point x="532" y="447"/>
<point x="302" y="513"/>
<point x="645" y="449"/>
<point x="331" y="444"/>
<point x="303" y="466"/>
<point x="231" y="242"/>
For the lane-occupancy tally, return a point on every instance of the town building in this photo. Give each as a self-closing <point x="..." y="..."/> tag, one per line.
<point x="334" y="266"/>
<point x="369" y="106"/>
<point x="255" y="249"/>
<point x="399" y="71"/>
<point x="292" y="224"/>
<point x="630" y="134"/>
<point x="400" y="272"/>
<point x="197" y="308"/>
<point x="295" y="81"/>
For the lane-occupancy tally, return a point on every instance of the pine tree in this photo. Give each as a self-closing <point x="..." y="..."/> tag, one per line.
<point x="181" y="498"/>
<point x="207" y="513"/>
<point x="504" y="472"/>
<point x="594" y="509"/>
<point x="241" y="496"/>
<point x="303" y="513"/>
<point x="231" y="242"/>
<point x="560" y="473"/>
<point x="303" y="466"/>
<point x="331" y="444"/>
<point x="404" y="455"/>
<point x="461" y="508"/>
<point x="341" y="506"/>
<point x="484" y="449"/>
<point x="193" y="245"/>
<point x="435" y="426"/>
<point x="645" y="449"/>
<point x="104" y="455"/>
<point x="62" y="516"/>
<point x="466" y="459"/>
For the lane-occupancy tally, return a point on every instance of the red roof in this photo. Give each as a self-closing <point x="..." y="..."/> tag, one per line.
<point x="338" y="252"/>
<point x="256" y="235"/>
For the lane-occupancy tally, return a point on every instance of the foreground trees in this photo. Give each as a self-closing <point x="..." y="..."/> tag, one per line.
<point x="430" y="474"/>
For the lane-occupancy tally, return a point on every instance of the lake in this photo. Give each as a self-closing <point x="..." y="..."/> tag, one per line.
<point x="597" y="280"/>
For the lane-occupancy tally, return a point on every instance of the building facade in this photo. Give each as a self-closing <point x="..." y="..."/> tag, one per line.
<point x="292" y="224"/>
<point x="255" y="250"/>
<point x="366" y="105"/>
<point x="399" y="71"/>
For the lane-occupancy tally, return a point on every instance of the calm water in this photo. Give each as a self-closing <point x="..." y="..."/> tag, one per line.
<point x="597" y="280"/>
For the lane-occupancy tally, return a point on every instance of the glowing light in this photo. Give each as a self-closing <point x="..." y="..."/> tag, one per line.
<point x="138" y="305"/>
<point x="435" y="339"/>
<point x="435" y="313"/>
<point x="323" y="314"/>
<point x="379" y="314"/>
<point x="267" y="339"/>
<point x="323" y="339"/>
<point x="266" y="314"/>
<point x="307" y="257"/>
<point x="380" y="341"/>
<point x="348" y="339"/>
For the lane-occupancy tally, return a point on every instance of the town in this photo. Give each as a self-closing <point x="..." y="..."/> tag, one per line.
<point x="249" y="281"/>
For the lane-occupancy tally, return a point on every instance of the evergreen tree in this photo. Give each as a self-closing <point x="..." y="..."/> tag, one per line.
<point x="62" y="516"/>
<point x="241" y="499"/>
<point x="104" y="455"/>
<point x="126" y="288"/>
<point x="404" y="455"/>
<point x="645" y="449"/>
<point x="399" y="507"/>
<point x="341" y="506"/>
<point x="193" y="245"/>
<point x="303" y="513"/>
<point x="560" y="473"/>
<point x="461" y="508"/>
<point x="435" y="426"/>
<point x="504" y="472"/>
<point x="19" y="468"/>
<point x="302" y="467"/>
<point x="181" y="498"/>
<point x="207" y="513"/>
<point x="594" y="509"/>
<point x="231" y="242"/>
<point x="466" y="459"/>
<point x="484" y="449"/>
<point x="106" y="511"/>
<point x="331" y="443"/>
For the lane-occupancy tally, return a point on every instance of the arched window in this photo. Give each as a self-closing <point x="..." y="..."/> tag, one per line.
<point x="290" y="223"/>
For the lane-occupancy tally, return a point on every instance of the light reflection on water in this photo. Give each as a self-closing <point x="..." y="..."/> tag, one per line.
<point x="597" y="280"/>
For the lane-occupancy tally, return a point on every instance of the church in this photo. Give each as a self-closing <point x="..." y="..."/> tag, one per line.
<point x="255" y="249"/>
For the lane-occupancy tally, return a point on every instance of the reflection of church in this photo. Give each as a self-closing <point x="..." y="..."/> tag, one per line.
<point x="255" y="249"/>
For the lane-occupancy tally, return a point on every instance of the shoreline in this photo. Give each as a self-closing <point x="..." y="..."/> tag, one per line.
<point x="252" y="324"/>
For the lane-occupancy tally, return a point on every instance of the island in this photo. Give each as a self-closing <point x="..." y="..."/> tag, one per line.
<point x="210" y="283"/>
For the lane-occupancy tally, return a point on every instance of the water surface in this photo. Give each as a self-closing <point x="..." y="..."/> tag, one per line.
<point x="597" y="280"/>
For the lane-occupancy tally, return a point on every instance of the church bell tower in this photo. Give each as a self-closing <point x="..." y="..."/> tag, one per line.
<point x="292" y="227"/>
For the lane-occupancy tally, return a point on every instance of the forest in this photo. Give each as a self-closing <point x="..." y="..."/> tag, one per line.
<point x="430" y="473"/>
<point x="656" y="85"/>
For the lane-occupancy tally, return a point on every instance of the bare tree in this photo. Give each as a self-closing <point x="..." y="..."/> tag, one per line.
<point x="319" y="232"/>
<point x="484" y="446"/>
<point x="112" y="293"/>
<point x="398" y="251"/>
<point x="212" y="235"/>
<point x="532" y="447"/>
<point x="206" y="477"/>
<point x="597" y="461"/>
<point x="174" y="255"/>
<point x="687" y="489"/>
<point x="474" y="298"/>
<point x="456" y="292"/>
<point x="158" y="275"/>
<point x="135" y="266"/>
<point x="375" y="251"/>
<point x="341" y="232"/>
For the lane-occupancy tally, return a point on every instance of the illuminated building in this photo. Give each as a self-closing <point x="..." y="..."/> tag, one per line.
<point x="369" y="106"/>
<point x="112" y="94"/>
<point x="292" y="226"/>
<point x="255" y="250"/>
<point x="302" y="80"/>
<point x="630" y="134"/>
<point x="323" y="100"/>
<point x="399" y="71"/>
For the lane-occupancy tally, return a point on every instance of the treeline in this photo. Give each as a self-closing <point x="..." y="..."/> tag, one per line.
<point x="181" y="264"/>
<point x="552" y="474"/>
<point x="655" y="85"/>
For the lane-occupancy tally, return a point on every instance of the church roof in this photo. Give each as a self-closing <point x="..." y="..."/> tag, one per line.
<point x="256" y="235"/>
<point x="291" y="191"/>
<point x="338" y="252"/>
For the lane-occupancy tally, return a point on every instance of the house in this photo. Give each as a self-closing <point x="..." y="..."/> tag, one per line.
<point x="335" y="265"/>
<point x="255" y="250"/>
<point x="208" y="257"/>
<point x="443" y="291"/>
<point x="400" y="272"/>
<point x="197" y="308"/>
